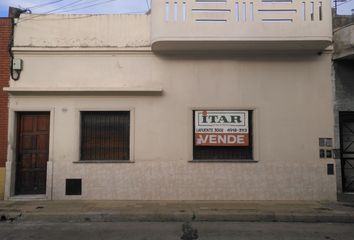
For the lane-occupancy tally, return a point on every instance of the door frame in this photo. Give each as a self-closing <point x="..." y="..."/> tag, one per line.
<point x="341" y="116"/>
<point x="10" y="178"/>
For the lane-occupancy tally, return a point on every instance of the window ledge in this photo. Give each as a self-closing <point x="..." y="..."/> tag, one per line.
<point x="224" y="161"/>
<point x="103" y="161"/>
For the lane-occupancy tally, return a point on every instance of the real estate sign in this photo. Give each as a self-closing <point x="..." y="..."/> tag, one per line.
<point x="221" y="128"/>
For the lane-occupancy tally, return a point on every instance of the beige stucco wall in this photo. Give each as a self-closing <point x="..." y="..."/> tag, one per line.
<point x="83" y="70"/>
<point x="77" y="30"/>
<point x="291" y="97"/>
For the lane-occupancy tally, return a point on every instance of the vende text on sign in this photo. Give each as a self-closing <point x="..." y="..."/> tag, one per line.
<point x="224" y="139"/>
<point x="221" y="128"/>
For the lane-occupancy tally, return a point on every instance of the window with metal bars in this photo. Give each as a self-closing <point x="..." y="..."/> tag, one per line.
<point x="105" y="135"/>
<point x="224" y="152"/>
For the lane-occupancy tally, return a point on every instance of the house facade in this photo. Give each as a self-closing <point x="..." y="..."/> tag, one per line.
<point x="198" y="101"/>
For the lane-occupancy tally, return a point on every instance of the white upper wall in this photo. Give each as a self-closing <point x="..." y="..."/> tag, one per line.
<point x="128" y="30"/>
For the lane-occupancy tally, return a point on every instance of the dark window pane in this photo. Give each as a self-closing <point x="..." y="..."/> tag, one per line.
<point x="105" y="135"/>
<point x="221" y="152"/>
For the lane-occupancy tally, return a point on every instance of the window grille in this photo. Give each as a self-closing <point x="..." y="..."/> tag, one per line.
<point x="105" y="135"/>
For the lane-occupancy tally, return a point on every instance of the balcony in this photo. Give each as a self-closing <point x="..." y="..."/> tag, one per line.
<point x="248" y="25"/>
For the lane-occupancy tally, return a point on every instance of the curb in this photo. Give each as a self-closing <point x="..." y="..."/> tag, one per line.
<point x="175" y="217"/>
<point x="278" y="217"/>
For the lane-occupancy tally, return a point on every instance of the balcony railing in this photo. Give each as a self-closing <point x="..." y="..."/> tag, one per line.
<point x="241" y="24"/>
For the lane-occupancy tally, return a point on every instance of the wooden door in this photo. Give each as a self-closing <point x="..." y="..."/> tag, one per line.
<point x="32" y="153"/>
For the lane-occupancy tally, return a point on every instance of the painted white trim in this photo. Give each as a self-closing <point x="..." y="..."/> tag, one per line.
<point x="10" y="163"/>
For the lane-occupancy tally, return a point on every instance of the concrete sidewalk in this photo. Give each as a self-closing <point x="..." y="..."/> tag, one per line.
<point x="161" y="211"/>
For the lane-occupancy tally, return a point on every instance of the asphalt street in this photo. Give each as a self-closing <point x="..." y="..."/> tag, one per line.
<point x="173" y="231"/>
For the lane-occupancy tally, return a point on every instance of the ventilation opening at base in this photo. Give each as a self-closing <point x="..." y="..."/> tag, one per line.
<point x="73" y="186"/>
